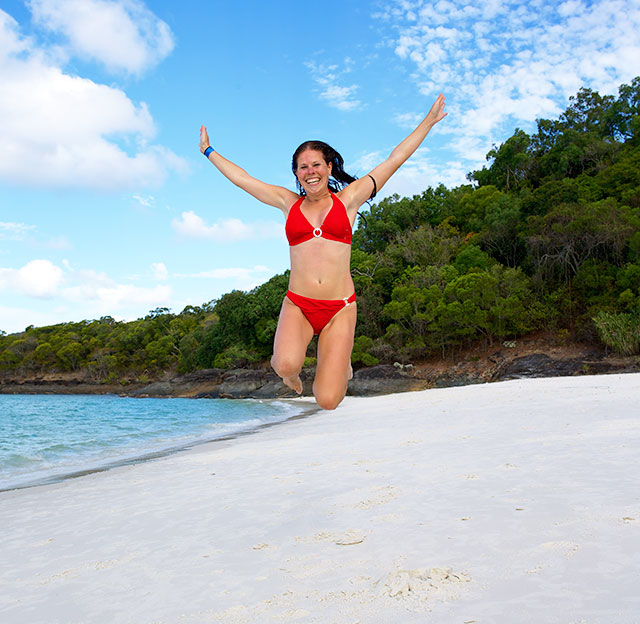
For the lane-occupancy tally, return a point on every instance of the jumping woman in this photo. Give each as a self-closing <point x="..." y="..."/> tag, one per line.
<point x="321" y="299"/>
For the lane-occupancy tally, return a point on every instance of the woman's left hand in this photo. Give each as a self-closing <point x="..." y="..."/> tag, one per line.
<point x="437" y="113"/>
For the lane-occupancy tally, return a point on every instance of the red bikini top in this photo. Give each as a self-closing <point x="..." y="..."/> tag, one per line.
<point x="335" y="227"/>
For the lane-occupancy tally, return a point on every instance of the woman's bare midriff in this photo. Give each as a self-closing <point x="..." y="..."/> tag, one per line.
<point x="320" y="269"/>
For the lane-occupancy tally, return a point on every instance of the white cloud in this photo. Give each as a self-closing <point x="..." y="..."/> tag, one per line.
<point x="63" y="119"/>
<point x="38" y="278"/>
<point x="505" y="63"/>
<point x="421" y="171"/>
<point x="10" y="231"/>
<point x="336" y="95"/>
<point x="191" y="225"/>
<point x="409" y="121"/>
<point x="366" y="163"/>
<point x="159" y="271"/>
<point x="14" y="231"/>
<point x="42" y="279"/>
<point x="121" y="295"/>
<point x="146" y="201"/>
<point x="121" y="34"/>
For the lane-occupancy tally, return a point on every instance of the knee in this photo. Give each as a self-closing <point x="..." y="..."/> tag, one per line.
<point x="328" y="400"/>
<point x="284" y="366"/>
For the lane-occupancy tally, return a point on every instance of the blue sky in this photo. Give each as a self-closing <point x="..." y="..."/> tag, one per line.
<point x="107" y="206"/>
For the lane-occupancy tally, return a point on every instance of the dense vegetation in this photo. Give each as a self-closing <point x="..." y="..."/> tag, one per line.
<point x="546" y="236"/>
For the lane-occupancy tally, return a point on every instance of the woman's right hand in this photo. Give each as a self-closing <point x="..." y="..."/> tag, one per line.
<point x="204" y="139"/>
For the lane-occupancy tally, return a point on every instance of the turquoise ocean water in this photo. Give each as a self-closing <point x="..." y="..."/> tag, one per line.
<point x="46" y="438"/>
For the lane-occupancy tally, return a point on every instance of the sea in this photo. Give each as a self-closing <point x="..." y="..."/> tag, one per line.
<point x="48" y="438"/>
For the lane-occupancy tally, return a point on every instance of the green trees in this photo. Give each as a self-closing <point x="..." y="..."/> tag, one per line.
<point x="244" y="328"/>
<point x="437" y="310"/>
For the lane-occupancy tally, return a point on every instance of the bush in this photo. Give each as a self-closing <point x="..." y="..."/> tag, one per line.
<point x="361" y="347"/>
<point x="621" y="331"/>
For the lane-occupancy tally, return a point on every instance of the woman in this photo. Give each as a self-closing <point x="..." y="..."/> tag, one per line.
<point x="321" y="297"/>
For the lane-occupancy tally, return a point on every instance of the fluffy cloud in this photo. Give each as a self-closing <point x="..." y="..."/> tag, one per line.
<point x="38" y="278"/>
<point x="159" y="271"/>
<point x="43" y="279"/>
<point x="335" y="94"/>
<point x="65" y="118"/>
<point x="122" y="35"/>
<point x="506" y="63"/>
<point x="191" y="225"/>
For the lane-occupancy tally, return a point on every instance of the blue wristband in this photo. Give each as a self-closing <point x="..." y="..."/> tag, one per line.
<point x="208" y="151"/>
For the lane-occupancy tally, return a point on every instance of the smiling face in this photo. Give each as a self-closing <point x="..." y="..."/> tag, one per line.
<point x="313" y="172"/>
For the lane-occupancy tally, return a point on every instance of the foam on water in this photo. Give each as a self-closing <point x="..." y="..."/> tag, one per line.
<point x="46" y="438"/>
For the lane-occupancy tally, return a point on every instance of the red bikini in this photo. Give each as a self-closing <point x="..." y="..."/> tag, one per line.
<point x="335" y="227"/>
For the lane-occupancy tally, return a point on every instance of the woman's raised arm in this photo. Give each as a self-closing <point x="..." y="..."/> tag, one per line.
<point x="360" y="191"/>
<point x="270" y="194"/>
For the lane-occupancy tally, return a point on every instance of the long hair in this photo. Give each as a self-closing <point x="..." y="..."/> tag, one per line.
<point x="339" y="177"/>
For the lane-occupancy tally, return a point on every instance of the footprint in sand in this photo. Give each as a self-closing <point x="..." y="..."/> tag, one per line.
<point x="381" y="496"/>
<point x="422" y="584"/>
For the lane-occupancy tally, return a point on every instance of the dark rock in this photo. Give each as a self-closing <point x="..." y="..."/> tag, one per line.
<point x="156" y="389"/>
<point x="382" y="371"/>
<point x="451" y="379"/>
<point x="383" y="379"/>
<point x="205" y="375"/>
<point x="541" y="365"/>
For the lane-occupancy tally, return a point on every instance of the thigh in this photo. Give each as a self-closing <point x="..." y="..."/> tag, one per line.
<point x="335" y="344"/>
<point x="293" y="335"/>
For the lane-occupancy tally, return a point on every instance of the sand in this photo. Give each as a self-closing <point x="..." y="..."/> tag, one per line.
<point x="514" y="502"/>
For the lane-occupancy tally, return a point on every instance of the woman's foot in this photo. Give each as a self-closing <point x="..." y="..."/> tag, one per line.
<point x="295" y="383"/>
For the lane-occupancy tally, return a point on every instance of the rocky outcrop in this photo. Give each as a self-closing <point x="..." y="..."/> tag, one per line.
<point x="384" y="379"/>
<point x="216" y="383"/>
<point x="377" y="380"/>
<point x="541" y="365"/>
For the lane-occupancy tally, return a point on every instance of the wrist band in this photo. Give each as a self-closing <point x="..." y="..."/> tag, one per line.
<point x="208" y="151"/>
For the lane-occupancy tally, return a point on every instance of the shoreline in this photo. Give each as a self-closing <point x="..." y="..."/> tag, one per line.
<point x="512" y="501"/>
<point x="51" y="479"/>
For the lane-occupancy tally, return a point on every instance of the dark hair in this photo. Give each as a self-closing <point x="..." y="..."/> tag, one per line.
<point x="340" y="177"/>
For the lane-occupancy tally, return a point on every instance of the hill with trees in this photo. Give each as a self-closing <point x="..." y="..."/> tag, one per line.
<point x="546" y="235"/>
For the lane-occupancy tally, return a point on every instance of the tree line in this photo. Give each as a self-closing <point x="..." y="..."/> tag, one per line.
<point x="546" y="235"/>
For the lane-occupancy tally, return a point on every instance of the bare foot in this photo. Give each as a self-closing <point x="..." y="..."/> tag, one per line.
<point x="295" y="383"/>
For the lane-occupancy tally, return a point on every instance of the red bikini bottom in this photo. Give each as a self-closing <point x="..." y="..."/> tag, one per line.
<point x="319" y="311"/>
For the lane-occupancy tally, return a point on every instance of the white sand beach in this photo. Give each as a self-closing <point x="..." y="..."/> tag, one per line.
<point x="514" y="502"/>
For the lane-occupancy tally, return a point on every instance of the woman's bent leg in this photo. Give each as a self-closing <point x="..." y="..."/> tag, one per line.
<point x="333" y="372"/>
<point x="293" y="335"/>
